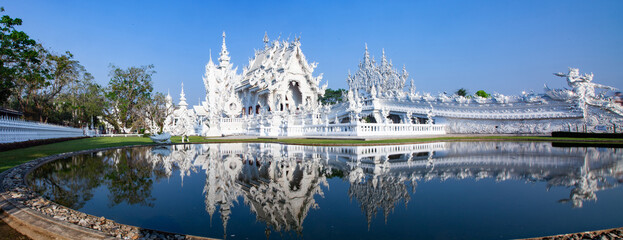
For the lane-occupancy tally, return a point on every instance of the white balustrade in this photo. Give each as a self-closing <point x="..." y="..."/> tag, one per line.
<point x="347" y="129"/>
<point x="17" y="130"/>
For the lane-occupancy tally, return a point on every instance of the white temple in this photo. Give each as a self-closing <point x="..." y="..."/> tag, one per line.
<point x="277" y="95"/>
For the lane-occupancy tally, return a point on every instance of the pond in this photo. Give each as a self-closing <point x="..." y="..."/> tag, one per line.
<point x="451" y="190"/>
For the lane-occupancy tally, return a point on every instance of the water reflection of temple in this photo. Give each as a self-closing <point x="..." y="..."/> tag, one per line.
<point x="280" y="182"/>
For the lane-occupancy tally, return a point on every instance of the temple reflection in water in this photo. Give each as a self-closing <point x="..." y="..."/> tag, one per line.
<point x="280" y="182"/>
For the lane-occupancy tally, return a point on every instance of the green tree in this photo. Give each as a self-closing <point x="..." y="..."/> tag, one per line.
<point x="155" y="111"/>
<point x="126" y="94"/>
<point x="462" y="92"/>
<point x="80" y="104"/>
<point x="332" y="96"/>
<point x="483" y="94"/>
<point x="19" y="57"/>
<point x="37" y="98"/>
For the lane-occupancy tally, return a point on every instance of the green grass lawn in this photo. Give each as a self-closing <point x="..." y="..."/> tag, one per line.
<point x="9" y="159"/>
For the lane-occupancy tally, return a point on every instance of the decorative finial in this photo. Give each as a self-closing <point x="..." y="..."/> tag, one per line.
<point x="266" y="40"/>
<point x="366" y="56"/>
<point x="183" y="97"/>
<point x="383" y="58"/>
<point x="224" y="55"/>
<point x="224" y="46"/>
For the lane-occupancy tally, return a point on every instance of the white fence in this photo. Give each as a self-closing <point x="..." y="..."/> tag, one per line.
<point x="16" y="130"/>
<point x="233" y="126"/>
<point x="349" y="129"/>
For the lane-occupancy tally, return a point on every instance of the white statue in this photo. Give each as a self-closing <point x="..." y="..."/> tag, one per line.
<point x="182" y="121"/>
<point x="582" y="85"/>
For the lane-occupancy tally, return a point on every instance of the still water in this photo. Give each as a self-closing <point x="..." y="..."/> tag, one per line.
<point x="457" y="190"/>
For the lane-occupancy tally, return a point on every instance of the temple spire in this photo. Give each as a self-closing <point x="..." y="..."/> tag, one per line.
<point x="366" y="56"/>
<point x="169" y="100"/>
<point x="266" y="40"/>
<point x="384" y="60"/>
<point x="224" y="55"/>
<point x="183" y="98"/>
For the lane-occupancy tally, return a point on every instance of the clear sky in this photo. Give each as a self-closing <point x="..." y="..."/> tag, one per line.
<point x="500" y="46"/>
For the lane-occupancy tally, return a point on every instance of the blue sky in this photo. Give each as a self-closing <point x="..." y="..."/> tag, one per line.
<point x="499" y="46"/>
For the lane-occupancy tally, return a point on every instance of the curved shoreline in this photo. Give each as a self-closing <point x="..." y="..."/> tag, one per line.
<point x="610" y="234"/>
<point x="38" y="218"/>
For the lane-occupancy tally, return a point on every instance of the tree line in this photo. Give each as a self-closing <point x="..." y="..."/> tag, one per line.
<point x="55" y="88"/>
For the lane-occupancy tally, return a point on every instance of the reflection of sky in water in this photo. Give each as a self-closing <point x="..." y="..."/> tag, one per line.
<point x="484" y="190"/>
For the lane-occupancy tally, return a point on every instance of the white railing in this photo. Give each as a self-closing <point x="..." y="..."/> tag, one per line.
<point x="370" y="129"/>
<point x="16" y="130"/>
<point x="349" y="129"/>
<point x="120" y="135"/>
<point x="233" y="126"/>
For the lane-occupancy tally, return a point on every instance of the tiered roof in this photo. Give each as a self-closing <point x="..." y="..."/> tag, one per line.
<point x="275" y="64"/>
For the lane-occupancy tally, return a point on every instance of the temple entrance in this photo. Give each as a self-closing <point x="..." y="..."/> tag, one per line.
<point x="370" y="119"/>
<point x="294" y="95"/>
<point x="394" y="118"/>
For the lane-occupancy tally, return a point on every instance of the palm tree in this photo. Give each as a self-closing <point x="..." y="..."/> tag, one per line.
<point x="462" y="92"/>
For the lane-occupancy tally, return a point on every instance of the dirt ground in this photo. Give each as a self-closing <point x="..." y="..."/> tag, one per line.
<point x="7" y="232"/>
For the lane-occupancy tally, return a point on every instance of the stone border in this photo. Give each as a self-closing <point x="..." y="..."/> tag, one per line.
<point x="607" y="234"/>
<point x="38" y="218"/>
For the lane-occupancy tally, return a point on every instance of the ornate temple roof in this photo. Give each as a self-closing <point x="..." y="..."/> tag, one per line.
<point x="276" y="64"/>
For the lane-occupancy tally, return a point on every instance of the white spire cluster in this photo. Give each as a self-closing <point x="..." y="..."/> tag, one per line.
<point x="382" y="80"/>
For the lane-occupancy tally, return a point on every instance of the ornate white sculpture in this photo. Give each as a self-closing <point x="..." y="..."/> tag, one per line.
<point x="583" y="89"/>
<point x="377" y="81"/>
<point x="161" y="138"/>
<point x="183" y="121"/>
<point x="381" y="89"/>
